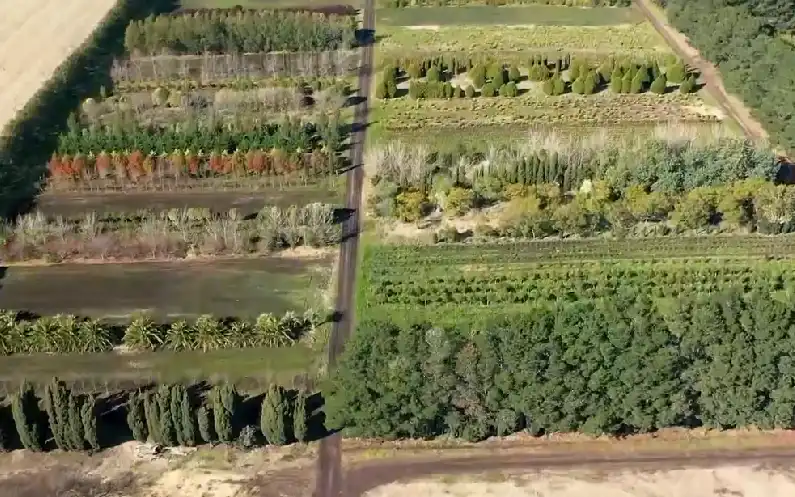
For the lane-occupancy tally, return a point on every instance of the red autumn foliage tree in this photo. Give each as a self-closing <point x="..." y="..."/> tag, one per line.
<point x="102" y="165"/>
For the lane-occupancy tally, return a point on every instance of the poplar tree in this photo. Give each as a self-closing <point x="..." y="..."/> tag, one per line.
<point x="136" y="417"/>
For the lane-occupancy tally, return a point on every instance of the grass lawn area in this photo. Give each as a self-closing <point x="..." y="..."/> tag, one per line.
<point x="637" y="40"/>
<point x="250" y="369"/>
<point x="538" y="15"/>
<point x="531" y="110"/>
<point x="240" y="288"/>
<point x="72" y="204"/>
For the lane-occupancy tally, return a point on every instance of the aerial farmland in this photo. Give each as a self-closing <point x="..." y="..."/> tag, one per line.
<point x="248" y="245"/>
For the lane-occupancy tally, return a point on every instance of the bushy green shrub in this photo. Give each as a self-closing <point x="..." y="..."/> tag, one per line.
<point x="478" y="76"/>
<point x="469" y="92"/>
<point x="433" y="74"/>
<point x="578" y="86"/>
<point x="688" y="85"/>
<point x="676" y="73"/>
<point x="509" y="90"/>
<point x="488" y="90"/>
<point x="514" y="75"/>
<point x="658" y="85"/>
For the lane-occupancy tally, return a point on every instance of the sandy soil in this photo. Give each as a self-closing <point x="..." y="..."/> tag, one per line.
<point x="737" y="481"/>
<point x="35" y="37"/>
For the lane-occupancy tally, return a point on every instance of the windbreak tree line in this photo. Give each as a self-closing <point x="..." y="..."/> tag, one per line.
<point x="742" y="39"/>
<point x="620" y="365"/>
<point x="562" y="3"/>
<point x="239" y="32"/>
<point x="56" y="417"/>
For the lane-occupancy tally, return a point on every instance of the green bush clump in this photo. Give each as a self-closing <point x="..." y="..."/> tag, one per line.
<point x="488" y="90"/>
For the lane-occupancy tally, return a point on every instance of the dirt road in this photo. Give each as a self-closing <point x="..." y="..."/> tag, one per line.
<point x="371" y="475"/>
<point x="729" y="104"/>
<point x="329" y="479"/>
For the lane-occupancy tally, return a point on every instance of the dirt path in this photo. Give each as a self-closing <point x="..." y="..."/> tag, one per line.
<point x="368" y="476"/>
<point x="731" y="105"/>
<point x="329" y="480"/>
<point x="35" y="37"/>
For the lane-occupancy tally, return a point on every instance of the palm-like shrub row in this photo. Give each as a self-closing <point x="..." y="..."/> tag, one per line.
<point x="176" y="233"/>
<point x="239" y="32"/>
<point x="618" y="365"/>
<point x="67" y="334"/>
<point x="170" y="415"/>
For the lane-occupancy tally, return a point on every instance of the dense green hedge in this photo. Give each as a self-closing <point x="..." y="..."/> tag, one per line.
<point x="756" y="63"/>
<point x="562" y="3"/>
<point x="33" y="133"/>
<point x="619" y="365"/>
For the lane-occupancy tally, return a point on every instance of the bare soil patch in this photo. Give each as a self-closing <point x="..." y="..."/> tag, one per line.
<point x="35" y="37"/>
<point x="739" y="481"/>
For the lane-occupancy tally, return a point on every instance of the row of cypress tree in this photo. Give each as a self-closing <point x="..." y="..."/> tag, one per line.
<point x="171" y="415"/>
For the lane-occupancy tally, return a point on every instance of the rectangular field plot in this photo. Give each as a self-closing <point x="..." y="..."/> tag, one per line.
<point x="73" y="204"/>
<point x="637" y="40"/>
<point x="537" y="15"/>
<point x="507" y="278"/>
<point x="240" y="288"/>
<point x="247" y="368"/>
<point x="525" y="112"/>
<point x="265" y="4"/>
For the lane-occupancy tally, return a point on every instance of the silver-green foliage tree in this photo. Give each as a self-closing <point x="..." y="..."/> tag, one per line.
<point x="224" y="401"/>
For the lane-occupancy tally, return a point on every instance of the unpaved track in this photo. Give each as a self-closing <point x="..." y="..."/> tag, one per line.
<point x="712" y="78"/>
<point x="368" y="476"/>
<point x="35" y="37"/>
<point x="329" y="482"/>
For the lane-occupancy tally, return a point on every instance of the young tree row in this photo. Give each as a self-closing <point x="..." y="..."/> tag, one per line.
<point x="239" y="32"/>
<point x="619" y="365"/>
<point x="65" y="334"/>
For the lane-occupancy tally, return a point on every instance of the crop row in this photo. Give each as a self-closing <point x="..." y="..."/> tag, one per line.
<point x="584" y="280"/>
<point x="169" y="415"/>
<point x="395" y="259"/>
<point x="562" y="3"/>
<point x="176" y="233"/>
<point x="66" y="334"/>
<point x="242" y="32"/>
<point x="288" y="135"/>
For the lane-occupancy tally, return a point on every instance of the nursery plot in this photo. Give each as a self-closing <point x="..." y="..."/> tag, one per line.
<point x="264" y="4"/>
<point x="627" y="39"/>
<point x="241" y="288"/>
<point x="537" y="15"/>
<point x="74" y="204"/>
<point x="527" y="111"/>
<point x="248" y="368"/>
<point x="37" y="35"/>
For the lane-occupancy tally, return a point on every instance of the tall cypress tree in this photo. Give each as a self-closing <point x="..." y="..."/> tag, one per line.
<point x="136" y="417"/>
<point x="74" y="432"/>
<point x="89" y="417"/>
<point x="163" y="398"/>
<point x="26" y="413"/>
<point x="205" y="422"/>
<point x="55" y="403"/>
<point x="272" y="416"/>
<point x="152" y="417"/>
<point x="224" y="404"/>
<point x="300" y="427"/>
<point x="176" y="413"/>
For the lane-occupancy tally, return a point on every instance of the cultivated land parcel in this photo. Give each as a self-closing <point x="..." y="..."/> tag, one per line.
<point x="563" y="234"/>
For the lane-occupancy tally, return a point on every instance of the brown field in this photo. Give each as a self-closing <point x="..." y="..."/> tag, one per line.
<point x="35" y="37"/>
<point x="241" y="288"/>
